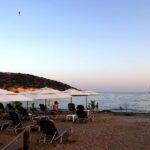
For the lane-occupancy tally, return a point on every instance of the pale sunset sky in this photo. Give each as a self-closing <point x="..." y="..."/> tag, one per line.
<point x="101" y="45"/>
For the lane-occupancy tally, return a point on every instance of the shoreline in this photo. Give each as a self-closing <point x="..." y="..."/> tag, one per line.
<point x="124" y="113"/>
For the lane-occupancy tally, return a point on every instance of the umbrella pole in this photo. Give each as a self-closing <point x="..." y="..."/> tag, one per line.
<point x="71" y="100"/>
<point x="45" y="107"/>
<point x="27" y="105"/>
<point x="86" y="102"/>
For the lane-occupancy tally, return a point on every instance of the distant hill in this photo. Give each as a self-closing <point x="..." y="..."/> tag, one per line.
<point x="18" y="81"/>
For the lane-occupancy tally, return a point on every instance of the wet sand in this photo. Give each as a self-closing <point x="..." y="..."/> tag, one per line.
<point x="107" y="132"/>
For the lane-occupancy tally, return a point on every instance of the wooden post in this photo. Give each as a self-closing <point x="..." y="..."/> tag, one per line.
<point x="26" y="139"/>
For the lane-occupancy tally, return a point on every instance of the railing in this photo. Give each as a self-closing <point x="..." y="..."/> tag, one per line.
<point x="22" y="140"/>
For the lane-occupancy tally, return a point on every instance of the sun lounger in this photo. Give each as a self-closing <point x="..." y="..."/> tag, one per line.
<point x="71" y="108"/>
<point x="42" y="108"/>
<point x="9" y="108"/>
<point x="16" y="124"/>
<point x="3" y="124"/>
<point x="23" y="112"/>
<point x="50" y="133"/>
<point x="2" y="109"/>
<point x="82" y="116"/>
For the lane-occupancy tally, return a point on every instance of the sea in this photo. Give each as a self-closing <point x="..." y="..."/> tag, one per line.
<point x="114" y="101"/>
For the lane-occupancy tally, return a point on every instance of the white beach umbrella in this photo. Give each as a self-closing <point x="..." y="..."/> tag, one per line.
<point x="47" y="90"/>
<point x="41" y="93"/>
<point x="45" y="94"/>
<point x="64" y="95"/>
<point x="14" y="98"/>
<point x="50" y="93"/>
<point x="74" y="92"/>
<point x="4" y="95"/>
<point x="8" y="96"/>
<point x="20" y="98"/>
<point x="92" y="93"/>
<point x="5" y="92"/>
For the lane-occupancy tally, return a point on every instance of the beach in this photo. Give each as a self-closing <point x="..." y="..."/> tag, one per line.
<point x="75" y="75"/>
<point x="107" y="132"/>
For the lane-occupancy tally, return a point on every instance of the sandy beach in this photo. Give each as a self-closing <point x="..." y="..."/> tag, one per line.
<point x="85" y="60"/>
<point x="107" y="132"/>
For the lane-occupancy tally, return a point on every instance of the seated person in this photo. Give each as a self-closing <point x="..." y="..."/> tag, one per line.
<point x="80" y="112"/>
<point x="33" y="109"/>
<point x="55" y="106"/>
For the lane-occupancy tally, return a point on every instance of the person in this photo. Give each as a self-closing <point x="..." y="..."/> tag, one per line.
<point x="80" y="112"/>
<point x="88" y="107"/>
<point x="33" y="109"/>
<point x="120" y="108"/>
<point x="97" y="106"/>
<point x="55" y="105"/>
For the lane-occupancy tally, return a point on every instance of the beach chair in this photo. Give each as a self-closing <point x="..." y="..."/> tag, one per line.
<point x="4" y="124"/>
<point x="82" y="116"/>
<point x="23" y="112"/>
<point x="71" y="108"/>
<point x="50" y="133"/>
<point x="3" y="114"/>
<point x="9" y="108"/>
<point x="42" y="108"/>
<point x="34" y="111"/>
<point x="2" y="109"/>
<point x="16" y="124"/>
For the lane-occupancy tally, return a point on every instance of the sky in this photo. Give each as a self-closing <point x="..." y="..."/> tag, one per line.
<point x="90" y="44"/>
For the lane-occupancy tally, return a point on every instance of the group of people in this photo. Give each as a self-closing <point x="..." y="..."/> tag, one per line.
<point x="54" y="107"/>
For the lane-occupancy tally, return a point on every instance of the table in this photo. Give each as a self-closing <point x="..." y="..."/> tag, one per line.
<point x="71" y="117"/>
<point x="87" y="111"/>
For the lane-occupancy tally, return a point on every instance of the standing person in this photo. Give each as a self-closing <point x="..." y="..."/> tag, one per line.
<point x="97" y="106"/>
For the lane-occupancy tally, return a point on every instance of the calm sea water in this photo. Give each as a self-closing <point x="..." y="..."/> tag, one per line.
<point x="130" y="101"/>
